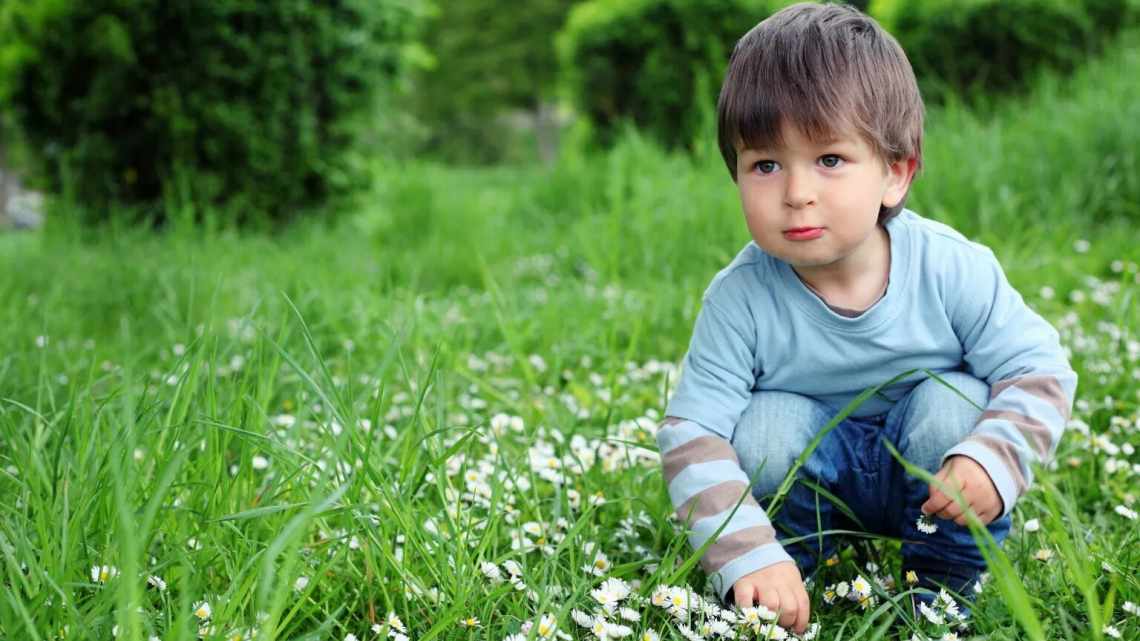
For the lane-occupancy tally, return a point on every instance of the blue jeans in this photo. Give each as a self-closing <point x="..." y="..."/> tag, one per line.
<point x="852" y="464"/>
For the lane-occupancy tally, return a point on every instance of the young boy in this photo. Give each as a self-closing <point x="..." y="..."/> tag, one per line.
<point x="820" y="124"/>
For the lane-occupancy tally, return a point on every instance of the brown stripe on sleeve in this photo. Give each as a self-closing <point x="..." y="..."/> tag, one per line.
<point x="714" y="500"/>
<point x="1047" y="388"/>
<point x="732" y="546"/>
<point x="1008" y="455"/>
<point x="699" y="450"/>
<point x="1032" y="429"/>
<point x="671" y="420"/>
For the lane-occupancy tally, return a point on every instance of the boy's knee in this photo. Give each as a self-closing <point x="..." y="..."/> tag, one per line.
<point x="773" y="430"/>
<point x="937" y="417"/>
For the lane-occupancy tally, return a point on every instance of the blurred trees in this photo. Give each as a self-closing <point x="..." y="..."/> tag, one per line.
<point x="250" y="108"/>
<point x="489" y="59"/>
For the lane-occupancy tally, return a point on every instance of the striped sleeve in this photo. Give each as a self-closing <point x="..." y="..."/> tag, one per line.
<point x="1021" y="424"/>
<point x="705" y="485"/>
<point x="1032" y="386"/>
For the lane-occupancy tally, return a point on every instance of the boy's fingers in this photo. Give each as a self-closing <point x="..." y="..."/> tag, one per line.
<point x="745" y="592"/>
<point x="788" y="607"/>
<point x="951" y="511"/>
<point x="769" y="598"/>
<point x="803" y="611"/>
<point x="935" y="503"/>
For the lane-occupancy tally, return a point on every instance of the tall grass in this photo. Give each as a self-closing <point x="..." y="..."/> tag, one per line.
<point x="233" y="412"/>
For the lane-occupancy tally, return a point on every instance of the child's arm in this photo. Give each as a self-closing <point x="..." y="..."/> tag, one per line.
<point x="705" y="483"/>
<point x="1031" y="383"/>
<point x="701" y="469"/>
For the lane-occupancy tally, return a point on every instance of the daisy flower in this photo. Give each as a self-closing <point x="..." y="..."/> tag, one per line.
<point x="1032" y="525"/>
<point x="1125" y="512"/>
<point x="103" y="573"/>
<point x="301" y="583"/>
<point x="931" y="614"/>
<point x="156" y="582"/>
<point x="469" y="622"/>
<point x="649" y="635"/>
<point x="678" y="601"/>
<point x="926" y="524"/>
<point x="772" y="631"/>
<point x="861" y="586"/>
<point x="202" y="610"/>
<point x="599" y="566"/>
<point x="1043" y="554"/>
<point x="689" y="634"/>
<point x="629" y="614"/>
<point x="395" y="623"/>
<point x="546" y="626"/>
<point x="582" y="619"/>
<point x="491" y="571"/>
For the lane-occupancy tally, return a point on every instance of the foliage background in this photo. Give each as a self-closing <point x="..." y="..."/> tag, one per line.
<point x="211" y="404"/>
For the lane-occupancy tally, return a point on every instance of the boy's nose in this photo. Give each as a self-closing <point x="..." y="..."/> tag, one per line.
<point x="799" y="190"/>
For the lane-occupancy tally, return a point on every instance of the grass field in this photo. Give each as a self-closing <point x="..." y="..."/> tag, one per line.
<point x="436" y="419"/>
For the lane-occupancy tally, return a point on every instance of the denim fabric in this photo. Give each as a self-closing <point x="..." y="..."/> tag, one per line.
<point x="852" y="463"/>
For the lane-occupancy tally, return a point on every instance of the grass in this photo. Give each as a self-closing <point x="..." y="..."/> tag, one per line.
<point x="311" y="431"/>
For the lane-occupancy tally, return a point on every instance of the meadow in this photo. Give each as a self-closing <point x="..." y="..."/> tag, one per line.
<point x="436" y="419"/>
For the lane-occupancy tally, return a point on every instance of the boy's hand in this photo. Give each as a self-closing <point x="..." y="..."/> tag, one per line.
<point x="971" y="479"/>
<point x="779" y="588"/>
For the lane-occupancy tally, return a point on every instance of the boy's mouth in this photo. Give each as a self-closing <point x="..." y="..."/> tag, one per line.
<point x="803" y="233"/>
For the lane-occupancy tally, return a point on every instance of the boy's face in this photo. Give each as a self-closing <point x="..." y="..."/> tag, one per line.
<point x="816" y="205"/>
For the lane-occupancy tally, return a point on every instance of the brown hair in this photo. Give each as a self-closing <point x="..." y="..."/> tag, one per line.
<point x="822" y="68"/>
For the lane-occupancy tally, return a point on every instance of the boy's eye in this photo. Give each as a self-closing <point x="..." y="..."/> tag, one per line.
<point x="831" y="161"/>
<point x="765" y="166"/>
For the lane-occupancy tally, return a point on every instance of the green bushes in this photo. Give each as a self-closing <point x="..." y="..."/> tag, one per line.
<point x="656" y="63"/>
<point x="250" y="108"/>
<point x="974" y="47"/>
<point x="659" y="63"/>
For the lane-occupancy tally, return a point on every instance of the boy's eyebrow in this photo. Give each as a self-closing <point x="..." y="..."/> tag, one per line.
<point x="831" y="140"/>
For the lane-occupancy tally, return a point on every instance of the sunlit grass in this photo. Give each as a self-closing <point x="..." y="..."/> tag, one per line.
<point x="437" y="419"/>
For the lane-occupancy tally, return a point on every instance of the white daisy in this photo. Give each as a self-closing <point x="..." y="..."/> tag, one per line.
<point x="926" y="524"/>
<point x="491" y="571"/>
<point x="1032" y="525"/>
<point x="103" y="573"/>
<point x="582" y="619"/>
<point x="931" y="614"/>
<point x="547" y="626"/>
<point x="202" y="610"/>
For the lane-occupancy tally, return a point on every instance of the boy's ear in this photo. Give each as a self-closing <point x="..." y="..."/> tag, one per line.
<point x="899" y="175"/>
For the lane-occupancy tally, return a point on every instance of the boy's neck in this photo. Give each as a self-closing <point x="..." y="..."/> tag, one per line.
<point x="856" y="281"/>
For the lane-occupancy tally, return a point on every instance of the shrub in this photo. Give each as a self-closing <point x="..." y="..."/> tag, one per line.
<point x="252" y="108"/>
<point x="656" y="63"/>
<point x="975" y="47"/>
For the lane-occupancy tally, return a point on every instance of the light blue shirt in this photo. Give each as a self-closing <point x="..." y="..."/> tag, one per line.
<point x="947" y="307"/>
